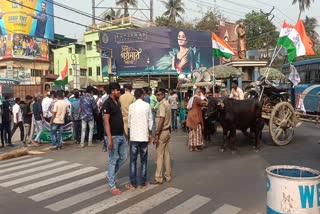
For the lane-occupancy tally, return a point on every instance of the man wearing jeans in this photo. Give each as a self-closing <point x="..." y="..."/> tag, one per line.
<point x="38" y="117"/>
<point x="87" y="106"/>
<point x="140" y="126"/>
<point x="114" y="127"/>
<point x="173" y="101"/>
<point x="57" y="121"/>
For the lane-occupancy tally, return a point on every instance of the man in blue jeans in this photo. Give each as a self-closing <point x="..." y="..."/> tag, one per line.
<point x="57" y="121"/>
<point x="140" y="125"/>
<point x="117" y="144"/>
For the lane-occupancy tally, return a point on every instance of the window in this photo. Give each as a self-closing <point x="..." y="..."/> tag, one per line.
<point x="89" y="46"/>
<point x="98" y="46"/>
<point x="98" y="71"/>
<point x="70" y="50"/>
<point x="70" y="71"/>
<point x="90" y="71"/>
<point x="83" y="72"/>
<point x="36" y="73"/>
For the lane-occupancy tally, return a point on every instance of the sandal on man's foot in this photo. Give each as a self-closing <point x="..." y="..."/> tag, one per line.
<point x="116" y="191"/>
<point x="144" y="186"/>
<point x="129" y="186"/>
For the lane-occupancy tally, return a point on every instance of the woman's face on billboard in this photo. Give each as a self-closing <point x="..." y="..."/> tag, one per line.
<point x="182" y="39"/>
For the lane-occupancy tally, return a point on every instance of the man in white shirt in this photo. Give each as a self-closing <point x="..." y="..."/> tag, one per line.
<point x="236" y="92"/>
<point x="173" y="101"/>
<point x="140" y="125"/>
<point x="17" y="119"/>
<point x="45" y="106"/>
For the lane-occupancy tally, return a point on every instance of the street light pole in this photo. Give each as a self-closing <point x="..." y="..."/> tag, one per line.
<point x="148" y="63"/>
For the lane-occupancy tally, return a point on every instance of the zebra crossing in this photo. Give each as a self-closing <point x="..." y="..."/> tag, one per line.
<point x="38" y="179"/>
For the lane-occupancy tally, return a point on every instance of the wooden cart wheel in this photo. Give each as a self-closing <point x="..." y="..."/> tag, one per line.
<point x="282" y="123"/>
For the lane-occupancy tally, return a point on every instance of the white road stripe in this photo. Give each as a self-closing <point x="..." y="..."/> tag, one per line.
<point x="15" y="159"/>
<point x="115" y="200"/>
<point x="54" y="180"/>
<point x="12" y="175"/>
<point x="19" y="162"/>
<point x="151" y="202"/>
<point x="190" y="205"/>
<point x="24" y="165"/>
<point x="39" y="175"/>
<point x="68" y="202"/>
<point x="227" y="209"/>
<point x="65" y="188"/>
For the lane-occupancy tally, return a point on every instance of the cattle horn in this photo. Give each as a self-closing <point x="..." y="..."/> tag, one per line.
<point x="221" y="104"/>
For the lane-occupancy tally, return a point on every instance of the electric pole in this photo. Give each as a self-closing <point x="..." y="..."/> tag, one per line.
<point x="93" y="12"/>
<point x="151" y="10"/>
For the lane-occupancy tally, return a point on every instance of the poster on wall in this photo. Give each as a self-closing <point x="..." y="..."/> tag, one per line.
<point x="27" y="17"/>
<point x="158" y="50"/>
<point x="23" y="47"/>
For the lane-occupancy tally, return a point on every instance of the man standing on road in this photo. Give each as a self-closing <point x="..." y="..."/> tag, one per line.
<point x="173" y="101"/>
<point x="75" y="117"/>
<point x="6" y="121"/>
<point x="57" y="121"/>
<point x="117" y="144"/>
<point x="126" y="100"/>
<point x="17" y="119"/>
<point x="162" y="138"/>
<point x="45" y="106"/>
<point x="140" y="126"/>
<point x="38" y="117"/>
<point x="27" y="119"/>
<point x="87" y="107"/>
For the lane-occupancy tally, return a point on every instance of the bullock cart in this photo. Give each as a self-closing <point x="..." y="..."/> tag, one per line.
<point x="283" y="119"/>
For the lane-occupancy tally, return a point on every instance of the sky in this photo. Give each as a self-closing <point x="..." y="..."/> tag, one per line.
<point x="194" y="9"/>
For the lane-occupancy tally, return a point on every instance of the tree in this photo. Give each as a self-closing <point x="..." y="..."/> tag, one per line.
<point x="164" y="21"/>
<point x="112" y="14"/>
<point x="303" y="4"/>
<point x="261" y="32"/>
<point x="209" y="21"/>
<point x="310" y="24"/>
<point x="125" y="4"/>
<point x="174" y="9"/>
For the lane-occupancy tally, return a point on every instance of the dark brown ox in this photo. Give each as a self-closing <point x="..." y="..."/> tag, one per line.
<point x="237" y="114"/>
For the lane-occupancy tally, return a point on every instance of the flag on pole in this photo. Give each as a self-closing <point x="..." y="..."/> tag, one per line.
<point x="294" y="76"/>
<point x="220" y="48"/>
<point x="63" y="77"/>
<point x="295" y="40"/>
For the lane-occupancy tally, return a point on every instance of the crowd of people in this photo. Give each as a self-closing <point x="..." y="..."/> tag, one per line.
<point x="115" y="116"/>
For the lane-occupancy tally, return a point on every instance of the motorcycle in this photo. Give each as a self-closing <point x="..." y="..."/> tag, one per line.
<point x="268" y="92"/>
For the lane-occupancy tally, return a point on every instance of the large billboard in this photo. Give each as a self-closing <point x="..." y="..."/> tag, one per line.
<point x="23" y="47"/>
<point x="156" y="50"/>
<point x="28" y="17"/>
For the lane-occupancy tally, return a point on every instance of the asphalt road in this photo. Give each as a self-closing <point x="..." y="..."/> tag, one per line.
<point x="73" y="180"/>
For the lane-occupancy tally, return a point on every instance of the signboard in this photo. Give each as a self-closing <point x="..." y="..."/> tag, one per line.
<point x="23" y="47"/>
<point x="28" y="17"/>
<point x="157" y="50"/>
<point x="7" y="85"/>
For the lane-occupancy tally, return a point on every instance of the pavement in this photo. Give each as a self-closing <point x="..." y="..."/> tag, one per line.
<point x="72" y="180"/>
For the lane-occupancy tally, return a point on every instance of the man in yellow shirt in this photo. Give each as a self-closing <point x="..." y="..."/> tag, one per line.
<point x="125" y="101"/>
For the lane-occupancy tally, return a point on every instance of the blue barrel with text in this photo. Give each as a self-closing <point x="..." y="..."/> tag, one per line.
<point x="292" y="189"/>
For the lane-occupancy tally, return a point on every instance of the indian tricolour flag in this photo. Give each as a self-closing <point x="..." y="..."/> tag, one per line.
<point x="295" y="40"/>
<point x="220" y="48"/>
<point x="63" y="77"/>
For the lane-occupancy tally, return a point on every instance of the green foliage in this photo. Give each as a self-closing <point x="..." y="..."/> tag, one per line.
<point x="310" y="24"/>
<point x="261" y="32"/>
<point x="174" y="10"/>
<point x="209" y="21"/>
<point x="125" y="4"/>
<point x="164" y="21"/>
